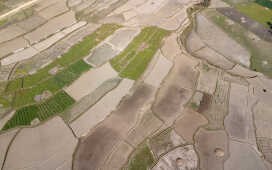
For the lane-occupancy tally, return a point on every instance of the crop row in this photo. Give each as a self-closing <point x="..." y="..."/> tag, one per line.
<point x="42" y="111"/>
<point x="76" y="52"/>
<point x="54" y="84"/>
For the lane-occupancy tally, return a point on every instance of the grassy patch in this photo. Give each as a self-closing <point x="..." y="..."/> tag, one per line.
<point x="142" y="159"/>
<point x="256" y="12"/>
<point x="265" y="3"/>
<point x="42" y="111"/>
<point x="54" y="84"/>
<point x="3" y="22"/>
<point x="54" y="105"/>
<point x="132" y="62"/>
<point x="76" y="53"/>
<point x="22" y="117"/>
<point x="260" y="50"/>
<point x="194" y="105"/>
<point x="4" y="102"/>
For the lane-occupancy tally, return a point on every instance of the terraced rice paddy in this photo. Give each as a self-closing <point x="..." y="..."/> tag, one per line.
<point x="42" y="111"/>
<point x="54" y="84"/>
<point x="132" y="62"/>
<point x="76" y="53"/>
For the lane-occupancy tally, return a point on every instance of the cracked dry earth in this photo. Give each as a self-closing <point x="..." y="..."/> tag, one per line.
<point x="195" y="106"/>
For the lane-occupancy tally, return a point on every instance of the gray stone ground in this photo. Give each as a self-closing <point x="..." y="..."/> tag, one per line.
<point x="196" y="107"/>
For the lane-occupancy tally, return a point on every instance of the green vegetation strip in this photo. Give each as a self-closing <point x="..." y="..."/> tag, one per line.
<point x="256" y="12"/>
<point x="132" y="62"/>
<point x="42" y="111"/>
<point x="77" y="52"/>
<point x="265" y="3"/>
<point x="54" y="84"/>
<point x="260" y="51"/>
<point x="141" y="159"/>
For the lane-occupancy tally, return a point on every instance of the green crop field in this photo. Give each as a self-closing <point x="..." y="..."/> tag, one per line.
<point x="256" y="12"/>
<point x="265" y="3"/>
<point x="76" y="53"/>
<point x="54" y="84"/>
<point x="4" y="102"/>
<point x="132" y="62"/>
<point x="22" y="117"/>
<point x="54" y="105"/>
<point x="42" y="111"/>
<point x="142" y="159"/>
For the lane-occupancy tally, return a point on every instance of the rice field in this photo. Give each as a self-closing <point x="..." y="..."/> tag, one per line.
<point x="76" y="53"/>
<point x="133" y="61"/>
<point x="42" y="111"/>
<point x="54" y="84"/>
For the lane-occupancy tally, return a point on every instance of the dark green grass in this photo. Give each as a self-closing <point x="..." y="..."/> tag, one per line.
<point x="54" y="105"/>
<point x="265" y="3"/>
<point x="142" y="159"/>
<point x="133" y="61"/>
<point x="76" y="53"/>
<point x="42" y="111"/>
<point x="22" y="117"/>
<point x="54" y="84"/>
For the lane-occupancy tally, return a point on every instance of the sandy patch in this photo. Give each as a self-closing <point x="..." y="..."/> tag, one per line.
<point x="54" y="10"/>
<point x="102" y="109"/>
<point x="11" y="46"/>
<point x="10" y="32"/>
<point x="89" y="81"/>
<point x="159" y="72"/>
<point x="19" y="56"/>
<point x="47" y="146"/>
<point x="51" y="27"/>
